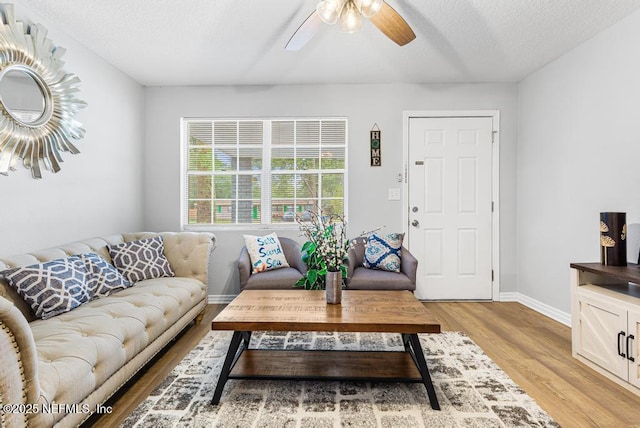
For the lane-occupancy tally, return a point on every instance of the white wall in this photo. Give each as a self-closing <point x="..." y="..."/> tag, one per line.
<point x="364" y="105"/>
<point x="578" y="155"/>
<point x="98" y="191"/>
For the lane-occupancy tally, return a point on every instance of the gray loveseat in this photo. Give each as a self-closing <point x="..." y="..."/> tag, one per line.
<point x="56" y="371"/>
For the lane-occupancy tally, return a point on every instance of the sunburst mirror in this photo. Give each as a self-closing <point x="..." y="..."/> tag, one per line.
<point x="37" y="99"/>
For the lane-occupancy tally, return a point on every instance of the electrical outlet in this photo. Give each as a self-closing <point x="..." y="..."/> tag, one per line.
<point x="394" y="194"/>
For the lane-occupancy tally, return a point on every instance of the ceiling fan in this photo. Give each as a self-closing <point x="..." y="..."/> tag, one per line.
<point x="349" y="13"/>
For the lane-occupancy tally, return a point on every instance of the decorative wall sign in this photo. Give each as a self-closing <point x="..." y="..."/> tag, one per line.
<point x="375" y="134"/>
<point x="37" y="98"/>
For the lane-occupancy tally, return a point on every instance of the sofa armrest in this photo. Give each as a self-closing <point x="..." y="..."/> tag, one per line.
<point x="293" y="253"/>
<point x="351" y="263"/>
<point x="244" y="267"/>
<point x="408" y="265"/>
<point x="355" y="255"/>
<point x="188" y="252"/>
<point x="19" y="369"/>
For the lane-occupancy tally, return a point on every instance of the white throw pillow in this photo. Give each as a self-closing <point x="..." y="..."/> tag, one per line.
<point x="265" y="252"/>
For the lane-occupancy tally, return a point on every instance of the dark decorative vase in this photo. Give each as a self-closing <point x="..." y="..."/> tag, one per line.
<point x="333" y="289"/>
<point x="613" y="239"/>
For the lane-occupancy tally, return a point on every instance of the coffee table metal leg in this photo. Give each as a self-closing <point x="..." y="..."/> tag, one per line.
<point x="226" y="367"/>
<point x="246" y="335"/>
<point x="405" y="342"/>
<point x="418" y="356"/>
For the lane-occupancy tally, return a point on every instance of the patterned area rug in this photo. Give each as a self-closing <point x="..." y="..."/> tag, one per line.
<point x="472" y="390"/>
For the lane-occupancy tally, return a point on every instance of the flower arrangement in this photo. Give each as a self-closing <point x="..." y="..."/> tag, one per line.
<point x="326" y="248"/>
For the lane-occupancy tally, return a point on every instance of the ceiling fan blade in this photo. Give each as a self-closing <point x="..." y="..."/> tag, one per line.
<point x="305" y="32"/>
<point x="393" y="25"/>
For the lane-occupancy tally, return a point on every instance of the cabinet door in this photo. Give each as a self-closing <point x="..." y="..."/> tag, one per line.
<point x="634" y="330"/>
<point x="599" y="325"/>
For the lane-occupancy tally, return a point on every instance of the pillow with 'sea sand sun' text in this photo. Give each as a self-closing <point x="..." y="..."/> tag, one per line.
<point x="265" y="252"/>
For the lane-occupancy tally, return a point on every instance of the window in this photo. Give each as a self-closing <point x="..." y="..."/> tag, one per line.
<point x="262" y="172"/>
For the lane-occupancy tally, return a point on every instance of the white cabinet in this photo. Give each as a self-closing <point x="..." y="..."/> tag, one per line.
<point x="633" y="330"/>
<point x="605" y="318"/>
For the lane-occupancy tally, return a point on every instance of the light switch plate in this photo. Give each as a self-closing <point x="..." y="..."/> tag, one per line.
<point x="394" y="194"/>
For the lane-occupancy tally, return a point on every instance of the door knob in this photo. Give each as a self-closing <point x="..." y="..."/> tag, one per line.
<point x="415" y="223"/>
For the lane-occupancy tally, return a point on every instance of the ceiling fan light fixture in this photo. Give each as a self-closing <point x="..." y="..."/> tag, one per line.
<point x="369" y="8"/>
<point x="350" y="19"/>
<point x="329" y="10"/>
<point x="350" y="13"/>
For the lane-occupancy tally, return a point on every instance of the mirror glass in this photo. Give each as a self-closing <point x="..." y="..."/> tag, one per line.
<point x="22" y="96"/>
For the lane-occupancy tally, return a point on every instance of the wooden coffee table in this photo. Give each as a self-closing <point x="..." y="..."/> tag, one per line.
<point x="299" y="310"/>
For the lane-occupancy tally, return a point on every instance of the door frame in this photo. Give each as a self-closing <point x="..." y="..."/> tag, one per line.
<point x="495" y="178"/>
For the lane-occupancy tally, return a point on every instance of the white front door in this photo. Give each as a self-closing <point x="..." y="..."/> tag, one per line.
<point x="450" y="208"/>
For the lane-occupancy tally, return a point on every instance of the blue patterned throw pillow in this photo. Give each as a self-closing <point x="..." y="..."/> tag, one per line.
<point x="140" y="260"/>
<point x="383" y="252"/>
<point x="53" y="287"/>
<point x="103" y="278"/>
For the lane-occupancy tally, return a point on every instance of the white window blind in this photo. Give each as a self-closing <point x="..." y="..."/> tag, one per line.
<point x="262" y="171"/>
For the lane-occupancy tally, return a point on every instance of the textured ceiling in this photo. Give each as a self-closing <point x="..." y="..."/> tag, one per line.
<point x="225" y="42"/>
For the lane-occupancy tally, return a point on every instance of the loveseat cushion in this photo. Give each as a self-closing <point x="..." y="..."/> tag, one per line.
<point x="373" y="279"/>
<point x="279" y="279"/>
<point x="79" y="350"/>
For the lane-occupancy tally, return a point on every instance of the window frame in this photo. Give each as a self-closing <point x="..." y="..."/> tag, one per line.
<point x="265" y="172"/>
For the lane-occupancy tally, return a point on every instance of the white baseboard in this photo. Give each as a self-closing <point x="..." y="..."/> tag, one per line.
<point x="215" y="299"/>
<point x="543" y="308"/>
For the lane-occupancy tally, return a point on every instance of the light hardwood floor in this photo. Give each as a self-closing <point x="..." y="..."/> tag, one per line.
<point x="534" y="350"/>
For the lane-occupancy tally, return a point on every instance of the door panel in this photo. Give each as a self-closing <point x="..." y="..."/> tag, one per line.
<point x="434" y="259"/>
<point x="450" y="176"/>
<point x="434" y="183"/>
<point x="467" y="257"/>
<point x="467" y="182"/>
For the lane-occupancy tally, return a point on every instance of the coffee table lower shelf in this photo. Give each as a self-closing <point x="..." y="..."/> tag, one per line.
<point x="364" y="366"/>
<point x="326" y="365"/>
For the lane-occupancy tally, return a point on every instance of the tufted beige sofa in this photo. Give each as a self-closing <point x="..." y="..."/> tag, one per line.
<point x="55" y="372"/>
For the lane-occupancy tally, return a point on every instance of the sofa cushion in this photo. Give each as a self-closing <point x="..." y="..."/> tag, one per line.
<point x="280" y="279"/>
<point x="80" y="350"/>
<point x="53" y="287"/>
<point x="142" y="259"/>
<point x="103" y="278"/>
<point x="382" y="251"/>
<point x="265" y="252"/>
<point x="374" y="279"/>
